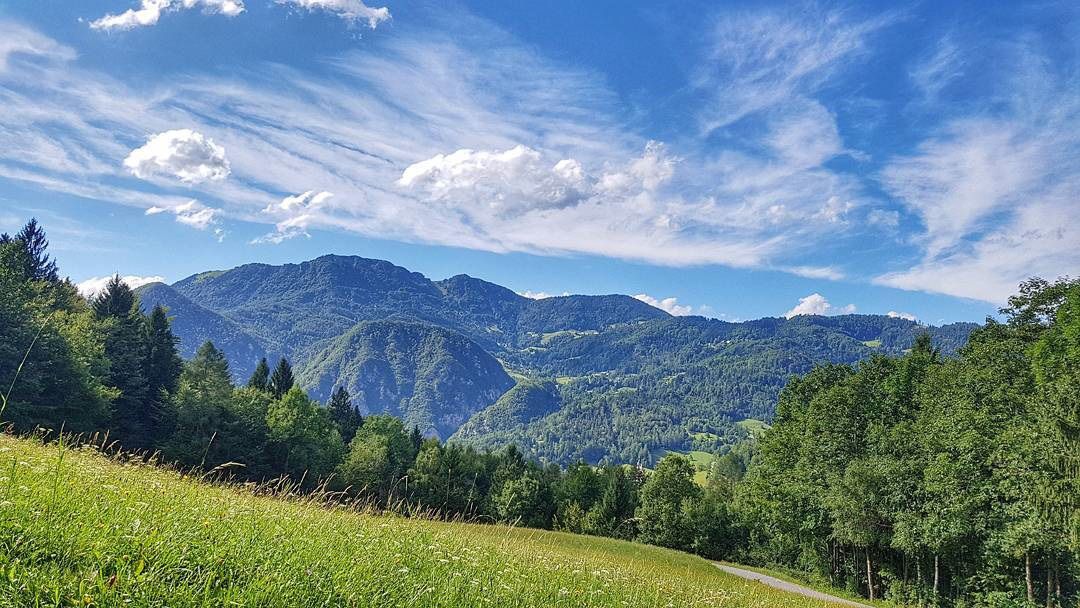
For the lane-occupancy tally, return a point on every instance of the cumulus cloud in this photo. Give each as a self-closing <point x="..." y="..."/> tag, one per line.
<point x="816" y="304"/>
<point x="902" y="315"/>
<point x="353" y="11"/>
<point x="668" y="305"/>
<point x="94" y="285"/>
<point x="508" y="181"/>
<point x="182" y="153"/>
<point x="149" y="12"/>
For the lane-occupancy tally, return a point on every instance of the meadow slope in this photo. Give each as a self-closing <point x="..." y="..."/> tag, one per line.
<point x="78" y="528"/>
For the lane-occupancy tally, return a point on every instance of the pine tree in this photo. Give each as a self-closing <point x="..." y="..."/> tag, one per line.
<point x="162" y="368"/>
<point x="125" y="348"/>
<point x="282" y="380"/>
<point x="260" y="378"/>
<point x="344" y="413"/>
<point x="40" y="266"/>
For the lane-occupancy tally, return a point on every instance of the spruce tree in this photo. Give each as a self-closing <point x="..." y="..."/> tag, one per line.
<point x="260" y="378"/>
<point x="162" y="367"/>
<point x="40" y="266"/>
<point x="344" y="413"/>
<point x="282" y="380"/>
<point x="125" y="348"/>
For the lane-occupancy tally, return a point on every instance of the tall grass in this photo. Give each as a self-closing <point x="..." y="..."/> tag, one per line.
<point x="81" y="528"/>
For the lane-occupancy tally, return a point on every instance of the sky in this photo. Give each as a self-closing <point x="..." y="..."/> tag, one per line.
<point x="729" y="159"/>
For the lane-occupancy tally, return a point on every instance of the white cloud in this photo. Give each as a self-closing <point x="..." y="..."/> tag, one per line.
<point x="506" y="182"/>
<point x="815" y="272"/>
<point x="352" y="11"/>
<point x="149" y="12"/>
<point x="902" y="315"/>
<point x="668" y="305"/>
<point x="539" y="295"/>
<point x="18" y="40"/>
<point x="883" y="217"/>
<point x="764" y="59"/>
<point x="297" y="212"/>
<point x="185" y="154"/>
<point x="546" y="164"/>
<point x="193" y="214"/>
<point x="996" y="187"/>
<point x="816" y="304"/>
<point x="94" y="285"/>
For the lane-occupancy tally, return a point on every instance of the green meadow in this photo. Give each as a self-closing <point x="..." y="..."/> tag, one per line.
<point x="79" y="528"/>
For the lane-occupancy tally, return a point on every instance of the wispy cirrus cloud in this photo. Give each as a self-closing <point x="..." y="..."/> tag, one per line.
<point x="16" y="39"/>
<point x="417" y="144"/>
<point x="995" y="186"/>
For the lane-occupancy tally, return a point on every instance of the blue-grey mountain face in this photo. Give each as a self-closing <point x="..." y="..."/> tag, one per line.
<point x="598" y="376"/>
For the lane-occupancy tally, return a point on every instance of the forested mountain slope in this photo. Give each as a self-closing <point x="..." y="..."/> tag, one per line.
<point x="632" y="380"/>
<point x="432" y="377"/>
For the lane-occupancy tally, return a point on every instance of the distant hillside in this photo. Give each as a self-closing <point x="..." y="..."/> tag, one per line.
<point x="603" y="377"/>
<point x="195" y="324"/>
<point x="432" y="377"/>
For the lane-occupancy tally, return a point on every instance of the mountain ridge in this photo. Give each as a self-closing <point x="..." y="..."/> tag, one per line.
<point x="630" y="379"/>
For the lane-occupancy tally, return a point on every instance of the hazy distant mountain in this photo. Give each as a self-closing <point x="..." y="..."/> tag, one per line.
<point x="598" y="376"/>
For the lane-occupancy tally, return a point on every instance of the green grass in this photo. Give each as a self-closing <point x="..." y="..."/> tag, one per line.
<point x="872" y="343"/>
<point x="548" y="338"/>
<point x="80" y="529"/>
<point x="756" y="428"/>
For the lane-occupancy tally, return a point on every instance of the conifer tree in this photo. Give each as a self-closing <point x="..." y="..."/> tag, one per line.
<point x="125" y="348"/>
<point x="260" y="378"/>
<point x="344" y="413"/>
<point x="162" y="367"/>
<point x="282" y="380"/>
<point x="40" y="266"/>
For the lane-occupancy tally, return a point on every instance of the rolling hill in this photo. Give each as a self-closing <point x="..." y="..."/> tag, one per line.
<point x="620" y="380"/>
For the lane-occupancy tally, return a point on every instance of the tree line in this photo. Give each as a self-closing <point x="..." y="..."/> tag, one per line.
<point x="920" y="479"/>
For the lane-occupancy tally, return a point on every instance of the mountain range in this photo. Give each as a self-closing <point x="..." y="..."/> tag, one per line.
<point x="564" y="378"/>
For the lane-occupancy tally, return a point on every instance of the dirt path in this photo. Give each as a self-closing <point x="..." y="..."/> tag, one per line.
<point x="772" y="581"/>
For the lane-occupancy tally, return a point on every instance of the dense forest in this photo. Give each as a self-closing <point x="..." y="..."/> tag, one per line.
<point x="917" y="478"/>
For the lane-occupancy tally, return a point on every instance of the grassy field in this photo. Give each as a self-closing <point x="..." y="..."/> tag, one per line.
<point x="756" y="428"/>
<point x="80" y="529"/>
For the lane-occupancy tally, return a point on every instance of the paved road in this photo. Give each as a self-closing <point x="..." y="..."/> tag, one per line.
<point x="772" y="581"/>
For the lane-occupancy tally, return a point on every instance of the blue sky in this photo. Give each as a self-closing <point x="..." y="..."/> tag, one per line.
<point x="737" y="160"/>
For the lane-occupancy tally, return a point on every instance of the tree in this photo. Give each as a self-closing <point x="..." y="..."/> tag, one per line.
<point x="52" y="359"/>
<point x="162" y="368"/>
<point x="661" y="516"/>
<point x="344" y="413"/>
<point x="613" y="515"/>
<point x="202" y="434"/>
<point x="39" y="265"/>
<point x="125" y="348"/>
<point x="309" y="444"/>
<point x="260" y="378"/>
<point x="282" y="380"/>
<point x="377" y="459"/>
